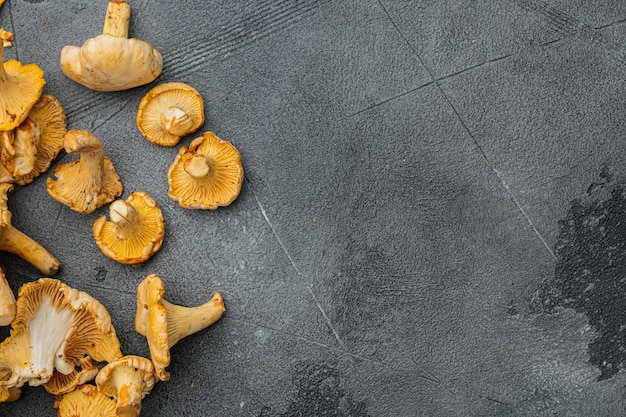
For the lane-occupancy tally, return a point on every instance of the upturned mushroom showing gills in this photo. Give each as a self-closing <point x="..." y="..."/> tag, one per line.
<point x="20" y="87"/>
<point x="128" y="380"/>
<point x="88" y="182"/>
<point x="164" y="324"/>
<point x="17" y="243"/>
<point x="135" y="231"/>
<point x="170" y="111"/>
<point x="112" y="61"/>
<point x="207" y="175"/>
<point x="85" y="401"/>
<point x="55" y="328"/>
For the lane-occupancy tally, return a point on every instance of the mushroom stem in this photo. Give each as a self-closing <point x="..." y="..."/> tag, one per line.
<point x="129" y="398"/>
<point x="184" y="321"/>
<point x="117" y="19"/>
<point x="17" y="243"/>
<point x="6" y="38"/>
<point x="197" y="166"/>
<point x="176" y="121"/>
<point x="125" y="218"/>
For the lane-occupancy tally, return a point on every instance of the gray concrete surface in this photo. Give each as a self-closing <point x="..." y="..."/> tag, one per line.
<point x="431" y="220"/>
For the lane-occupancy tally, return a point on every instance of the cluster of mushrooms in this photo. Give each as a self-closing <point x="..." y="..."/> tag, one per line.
<point x="63" y="338"/>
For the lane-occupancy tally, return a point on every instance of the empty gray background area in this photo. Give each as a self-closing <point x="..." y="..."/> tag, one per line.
<point x="431" y="218"/>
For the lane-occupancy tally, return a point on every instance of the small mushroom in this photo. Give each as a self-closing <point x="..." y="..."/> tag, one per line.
<point x="85" y="401"/>
<point x="17" y="243"/>
<point x="20" y="87"/>
<point x="170" y="111"/>
<point x="88" y="182"/>
<point x="128" y="380"/>
<point x="111" y="61"/>
<point x="207" y="175"/>
<point x="135" y="231"/>
<point x="49" y="124"/>
<point x="7" y="302"/>
<point x="55" y="328"/>
<point x="164" y="324"/>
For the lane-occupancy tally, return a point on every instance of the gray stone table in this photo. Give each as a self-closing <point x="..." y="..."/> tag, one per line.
<point x="432" y="221"/>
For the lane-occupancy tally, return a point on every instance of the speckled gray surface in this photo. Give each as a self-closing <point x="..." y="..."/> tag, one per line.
<point x="430" y="223"/>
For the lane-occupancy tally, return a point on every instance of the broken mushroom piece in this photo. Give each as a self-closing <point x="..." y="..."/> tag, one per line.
<point x="165" y="324"/>
<point x="49" y="122"/>
<point x="17" y="243"/>
<point x="20" y="87"/>
<point x="85" y="401"/>
<point x="135" y="231"/>
<point x="170" y="111"/>
<point x="54" y="329"/>
<point x="18" y="148"/>
<point x="7" y="302"/>
<point x="207" y="175"/>
<point x="88" y="182"/>
<point x="128" y="380"/>
<point x="111" y="61"/>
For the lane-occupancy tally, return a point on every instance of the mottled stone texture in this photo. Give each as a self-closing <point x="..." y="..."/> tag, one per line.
<point x="431" y="222"/>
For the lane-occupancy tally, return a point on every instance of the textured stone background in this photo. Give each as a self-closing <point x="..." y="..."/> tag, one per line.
<point x="431" y="222"/>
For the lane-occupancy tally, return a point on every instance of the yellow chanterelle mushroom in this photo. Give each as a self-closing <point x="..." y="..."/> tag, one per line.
<point x="85" y="401"/>
<point x="112" y="61"/>
<point x="164" y="324"/>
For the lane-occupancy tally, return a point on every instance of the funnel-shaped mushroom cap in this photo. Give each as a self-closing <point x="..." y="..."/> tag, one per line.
<point x="207" y="175"/>
<point x="170" y="111"/>
<point x="49" y="123"/>
<point x="88" y="182"/>
<point x="85" y="401"/>
<point x="111" y="61"/>
<point x="128" y="380"/>
<point x="135" y="231"/>
<point x="17" y="243"/>
<point x="55" y="327"/>
<point x="164" y="324"/>
<point x="7" y="302"/>
<point x="20" y="87"/>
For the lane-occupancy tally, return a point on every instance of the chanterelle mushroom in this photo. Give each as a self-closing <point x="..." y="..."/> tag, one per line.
<point x="85" y="401"/>
<point x="17" y="243"/>
<point x="111" y="61"/>
<point x="48" y="121"/>
<point x="165" y="324"/>
<point x="89" y="182"/>
<point x="20" y="87"/>
<point x="7" y="302"/>
<point x="207" y="175"/>
<point x="18" y="149"/>
<point x="170" y="111"/>
<point x="128" y="380"/>
<point x="135" y="231"/>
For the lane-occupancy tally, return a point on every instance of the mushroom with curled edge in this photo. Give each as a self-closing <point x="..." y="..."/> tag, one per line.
<point x="164" y="324"/>
<point x="88" y="182"/>
<point x="207" y="175"/>
<point x="85" y="401"/>
<point x="17" y="243"/>
<point x="55" y="328"/>
<point x="20" y="87"/>
<point x="49" y="123"/>
<point x="111" y="61"/>
<point x="128" y="380"/>
<point x="170" y="111"/>
<point x="135" y="231"/>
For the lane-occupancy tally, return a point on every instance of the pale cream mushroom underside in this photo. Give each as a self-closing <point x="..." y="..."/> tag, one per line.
<point x="14" y="241"/>
<point x="112" y="61"/>
<point x="128" y="380"/>
<point x="135" y="231"/>
<point x="20" y="87"/>
<point x="88" y="182"/>
<point x="56" y="327"/>
<point x="164" y="324"/>
<point x="207" y="175"/>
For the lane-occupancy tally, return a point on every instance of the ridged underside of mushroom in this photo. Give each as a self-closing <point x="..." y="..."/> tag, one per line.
<point x="86" y="401"/>
<point x="19" y="92"/>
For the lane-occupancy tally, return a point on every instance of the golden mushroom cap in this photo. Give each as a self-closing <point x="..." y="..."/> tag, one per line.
<point x="85" y="401"/>
<point x="207" y="175"/>
<point x="170" y="111"/>
<point x="135" y="231"/>
<point x="50" y="122"/>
